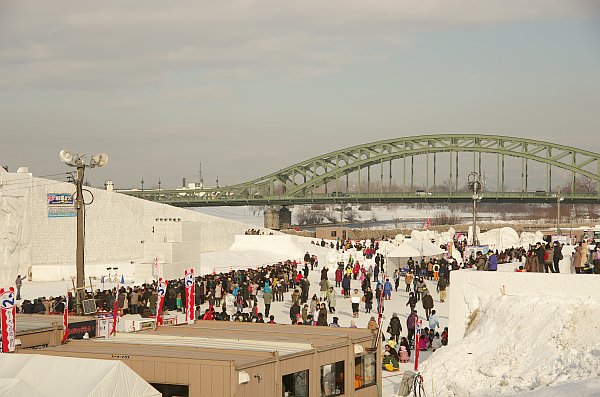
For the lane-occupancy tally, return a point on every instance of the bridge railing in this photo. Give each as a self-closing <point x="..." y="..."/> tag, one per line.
<point x="201" y="198"/>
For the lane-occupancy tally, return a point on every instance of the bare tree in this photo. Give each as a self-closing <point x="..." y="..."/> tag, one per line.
<point x="307" y="216"/>
<point x="257" y="209"/>
<point x="583" y="184"/>
<point x="351" y="215"/>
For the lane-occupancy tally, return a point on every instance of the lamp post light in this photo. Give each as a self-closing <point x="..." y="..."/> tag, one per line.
<point x="475" y="187"/>
<point x="559" y="198"/>
<point x="78" y="161"/>
<point x="142" y="184"/>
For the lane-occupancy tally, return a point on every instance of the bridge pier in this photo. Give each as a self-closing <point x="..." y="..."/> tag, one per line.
<point x="278" y="218"/>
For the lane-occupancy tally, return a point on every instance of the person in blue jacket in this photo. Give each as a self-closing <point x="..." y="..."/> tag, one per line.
<point x="387" y="289"/>
<point x="493" y="262"/>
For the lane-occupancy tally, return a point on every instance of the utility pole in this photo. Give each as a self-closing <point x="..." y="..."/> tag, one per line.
<point x="475" y="187"/>
<point x="142" y="184"/>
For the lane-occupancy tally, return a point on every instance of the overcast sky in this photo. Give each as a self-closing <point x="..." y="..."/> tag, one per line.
<point x="249" y="87"/>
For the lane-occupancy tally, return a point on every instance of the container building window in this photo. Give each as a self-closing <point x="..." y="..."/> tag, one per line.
<point x="295" y="384"/>
<point x="169" y="390"/>
<point x="332" y="379"/>
<point x="365" y="369"/>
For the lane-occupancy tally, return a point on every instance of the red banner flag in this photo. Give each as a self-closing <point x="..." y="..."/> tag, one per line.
<point x="66" y="319"/>
<point x="7" y="306"/>
<point x="190" y="290"/>
<point x="115" y="314"/>
<point x="161" y="289"/>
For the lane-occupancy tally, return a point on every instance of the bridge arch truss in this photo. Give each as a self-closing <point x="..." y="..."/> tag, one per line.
<point x="303" y="179"/>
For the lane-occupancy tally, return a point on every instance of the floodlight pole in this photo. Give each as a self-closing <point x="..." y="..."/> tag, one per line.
<point x="475" y="187"/>
<point x="558" y="200"/>
<point x="79" y="255"/>
<point x="77" y="160"/>
<point x="475" y="219"/>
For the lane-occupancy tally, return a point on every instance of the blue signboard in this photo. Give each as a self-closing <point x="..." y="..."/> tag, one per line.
<point x="61" y="205"/>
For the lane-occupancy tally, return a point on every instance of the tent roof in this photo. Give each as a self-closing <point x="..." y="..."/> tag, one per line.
<point x="53" y="375"/>
<point x="426" y="248"/>
<point x="17" y="387"/>
<point x="415" y="249"/>
<point x="404" y="250"/>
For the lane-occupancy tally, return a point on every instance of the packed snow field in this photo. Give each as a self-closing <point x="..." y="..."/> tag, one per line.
<point x="520" y="346"/>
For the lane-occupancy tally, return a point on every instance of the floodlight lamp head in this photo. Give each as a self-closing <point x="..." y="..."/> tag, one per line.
<point x="99" y="160"/>
<point x="66" y="157"/>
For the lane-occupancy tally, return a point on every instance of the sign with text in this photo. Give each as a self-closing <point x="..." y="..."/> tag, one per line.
<point x="61" y="205"/>
<point x="78" y="329"/>
<point x="8" y="310"/>
<point x="190" y="293"/>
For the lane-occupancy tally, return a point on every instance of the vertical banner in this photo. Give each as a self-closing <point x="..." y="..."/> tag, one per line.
<point x="7" y="306"/>
<point x="161" y="289"/>
<point x="66" y="319"/>
<point x="115" y="315"/>
<point x="449" y="248"/>
<point x="189" y="295"/>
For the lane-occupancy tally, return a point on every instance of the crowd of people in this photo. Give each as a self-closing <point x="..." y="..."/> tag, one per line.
<point x="256" y="232"/>
<point x="542" y="257"/>
<point x="235" y="295"/>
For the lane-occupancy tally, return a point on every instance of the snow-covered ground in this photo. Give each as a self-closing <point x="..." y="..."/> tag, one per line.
<point x="380" y="213"/>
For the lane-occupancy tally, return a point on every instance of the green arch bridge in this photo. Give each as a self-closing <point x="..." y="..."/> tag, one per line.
<point x="363" y="174"/>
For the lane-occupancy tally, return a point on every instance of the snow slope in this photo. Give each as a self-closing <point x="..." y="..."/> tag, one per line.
<point x="521" y="343"/>
<point x="584" y="388"/>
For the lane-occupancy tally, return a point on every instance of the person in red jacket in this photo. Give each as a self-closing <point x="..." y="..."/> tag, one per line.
<point x="339" y="273"/>
<point x="355" y="270"/>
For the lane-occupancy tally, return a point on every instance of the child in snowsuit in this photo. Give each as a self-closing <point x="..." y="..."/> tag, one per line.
<point x="403" y="354"/>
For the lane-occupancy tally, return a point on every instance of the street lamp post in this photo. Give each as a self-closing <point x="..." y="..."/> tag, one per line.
<point x="77" y="160"/>
<point x="559" y="198"/>
<point x="475" y="187"/>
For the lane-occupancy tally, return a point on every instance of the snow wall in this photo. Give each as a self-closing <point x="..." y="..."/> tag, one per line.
<point x="528" y="332"/>
<point x="475" y="291"/>
<point x="119" y="229"/>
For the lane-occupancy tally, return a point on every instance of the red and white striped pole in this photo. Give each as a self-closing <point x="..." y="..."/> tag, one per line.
<point x="66" y="319"/>
<point x="417" y="337"/>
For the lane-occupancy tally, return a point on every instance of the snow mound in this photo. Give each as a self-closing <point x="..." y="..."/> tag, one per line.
<point x="520" y="343"/>
<point x="500" y="239"/>
<point x="294" y="247"/>
<point x="530" y="238"/>
<point x="584" y="388"/>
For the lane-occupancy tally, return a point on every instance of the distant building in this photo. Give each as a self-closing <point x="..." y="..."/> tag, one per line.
<point x="332" y="232"/>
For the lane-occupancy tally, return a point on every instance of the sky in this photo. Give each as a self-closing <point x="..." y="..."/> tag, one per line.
<point x="249" y="87"/>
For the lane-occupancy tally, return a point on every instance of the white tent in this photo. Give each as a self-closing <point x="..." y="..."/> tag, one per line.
<point x="397" y="257"/>
<point x="17" y="387"/>
<point x="426" y="248"/>
<point x="404" y="250"/>
<point x="52" y="376"/>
